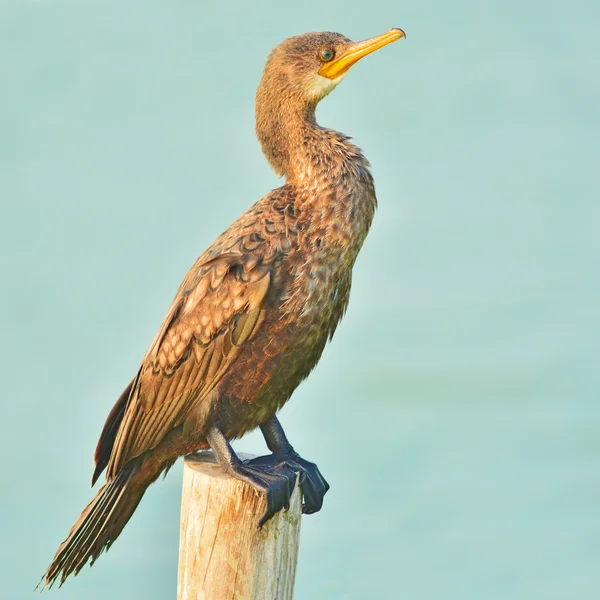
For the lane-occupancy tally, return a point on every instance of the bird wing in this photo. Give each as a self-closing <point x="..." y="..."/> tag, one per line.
<point x="218" y="307"/>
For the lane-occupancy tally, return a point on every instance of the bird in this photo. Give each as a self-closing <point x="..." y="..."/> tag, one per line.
<point x="253" y="314"/>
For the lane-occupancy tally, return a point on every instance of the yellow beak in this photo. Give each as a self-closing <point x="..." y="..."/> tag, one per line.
<point x="354" y="52"/>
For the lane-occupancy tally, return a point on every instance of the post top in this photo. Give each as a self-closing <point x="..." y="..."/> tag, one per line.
<point x="204" y="462"/>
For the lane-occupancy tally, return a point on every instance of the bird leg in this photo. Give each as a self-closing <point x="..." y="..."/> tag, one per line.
<point x="283" y="456"/>
<point x="275" y="481"/>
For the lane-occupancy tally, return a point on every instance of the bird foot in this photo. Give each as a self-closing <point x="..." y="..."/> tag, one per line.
<point x="313" y="484"/>
<point x="275" y="481"/>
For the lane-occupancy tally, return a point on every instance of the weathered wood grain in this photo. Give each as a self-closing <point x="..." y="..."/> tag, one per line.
<point x="222" y="554"/>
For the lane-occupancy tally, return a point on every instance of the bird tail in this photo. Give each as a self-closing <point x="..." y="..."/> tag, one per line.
<point x="99" y="525"/>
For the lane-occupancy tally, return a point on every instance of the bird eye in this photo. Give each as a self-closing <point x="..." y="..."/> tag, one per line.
<point x="327" y="55"/>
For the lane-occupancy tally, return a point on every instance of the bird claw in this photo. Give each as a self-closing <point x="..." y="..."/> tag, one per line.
<point x="276" y="481"/>
<point x="313" y="484"/>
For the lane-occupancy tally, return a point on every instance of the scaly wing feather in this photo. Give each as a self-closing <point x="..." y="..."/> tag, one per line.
<point x="217" y="309"/>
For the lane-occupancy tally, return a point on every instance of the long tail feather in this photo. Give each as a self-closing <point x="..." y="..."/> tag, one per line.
<point x="99" y="525"/>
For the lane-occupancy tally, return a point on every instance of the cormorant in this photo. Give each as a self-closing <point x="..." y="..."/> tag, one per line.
<point x="253" y="314"/>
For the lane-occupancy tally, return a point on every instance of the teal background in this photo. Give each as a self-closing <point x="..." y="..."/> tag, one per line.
<point x="456" y="412"/>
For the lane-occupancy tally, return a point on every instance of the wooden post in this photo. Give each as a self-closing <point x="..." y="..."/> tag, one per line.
<point x="222" y="554"/>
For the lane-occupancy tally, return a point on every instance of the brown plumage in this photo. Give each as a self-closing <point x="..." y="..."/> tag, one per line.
<point x="253" y="314"/>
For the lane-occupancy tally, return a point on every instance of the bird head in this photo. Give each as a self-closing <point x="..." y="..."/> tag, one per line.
<point x="309" y="66"/>
<point x="299" y="73"/>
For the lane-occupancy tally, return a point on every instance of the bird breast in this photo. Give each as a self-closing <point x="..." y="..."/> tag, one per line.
<point x="331" y="232"/>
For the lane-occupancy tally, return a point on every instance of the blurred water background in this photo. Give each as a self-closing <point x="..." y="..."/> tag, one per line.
<point x="455" y="414"/>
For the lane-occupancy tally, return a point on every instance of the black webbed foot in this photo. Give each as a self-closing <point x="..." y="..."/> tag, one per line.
<point x="274" y="475"/>
<point x="313" y="484"/>
<point x="275" y="481"/>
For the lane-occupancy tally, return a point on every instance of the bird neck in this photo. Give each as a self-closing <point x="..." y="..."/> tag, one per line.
<point x="334" y="193"/>
<point x="323" y="166"/>
<point x="285" y="125"/>
<point x="298" y="148"/>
